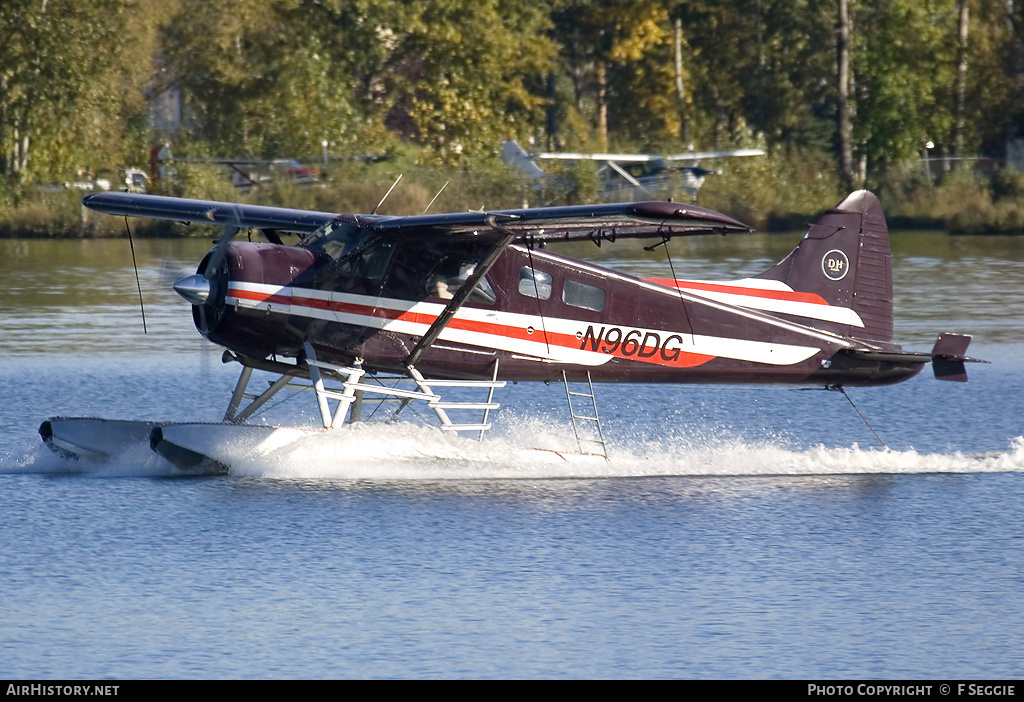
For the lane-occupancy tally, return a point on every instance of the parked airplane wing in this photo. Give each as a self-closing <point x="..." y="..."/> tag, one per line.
<point x="699" y="155"/>
<point x="645" y="158"/>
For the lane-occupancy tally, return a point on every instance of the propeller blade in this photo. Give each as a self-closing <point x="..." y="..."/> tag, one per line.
<point x="220" y="250"/>
<point x="201" y="289"/>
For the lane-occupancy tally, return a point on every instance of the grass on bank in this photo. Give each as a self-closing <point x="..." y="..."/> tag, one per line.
<point x="778" y="192"/>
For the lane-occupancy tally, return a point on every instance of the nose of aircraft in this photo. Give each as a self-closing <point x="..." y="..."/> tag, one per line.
<point x="194" y="288"/>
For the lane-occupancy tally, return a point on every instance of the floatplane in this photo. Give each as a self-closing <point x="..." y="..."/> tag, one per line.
<point x="628" y="176"/>
<point x="477" y="299"/>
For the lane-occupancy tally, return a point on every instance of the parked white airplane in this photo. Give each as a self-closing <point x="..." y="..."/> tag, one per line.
<point x="630" y="176"/>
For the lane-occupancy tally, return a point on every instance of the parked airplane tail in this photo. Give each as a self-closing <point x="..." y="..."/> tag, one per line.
<point x="514" y="155"/>
<point x="844" y="261"/>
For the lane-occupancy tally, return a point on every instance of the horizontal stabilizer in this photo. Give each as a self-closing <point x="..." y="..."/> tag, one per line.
<point x="948" y="357"/>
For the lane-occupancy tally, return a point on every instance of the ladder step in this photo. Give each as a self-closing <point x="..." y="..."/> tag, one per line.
<point x="335" y="395"/>
<point x="336" y="368"/>
<point x="381" y="390"/>
<point x="465" y="427"/>
<point x="466" y="383"/>
<point x="580" y="440"/>
<point x="466" y="405"/>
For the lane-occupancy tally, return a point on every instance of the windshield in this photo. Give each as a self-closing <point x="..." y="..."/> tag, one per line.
<point x="337" y="238"/>
<point x="367" y="263"/>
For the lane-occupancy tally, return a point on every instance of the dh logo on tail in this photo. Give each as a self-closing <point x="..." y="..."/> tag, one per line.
<point x="835" y="265"/>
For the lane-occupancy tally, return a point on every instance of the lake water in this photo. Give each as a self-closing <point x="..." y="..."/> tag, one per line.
<point x="737" y="532"/>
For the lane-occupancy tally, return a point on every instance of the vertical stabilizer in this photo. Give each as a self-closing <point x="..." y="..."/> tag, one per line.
<point x="844" y="258"/>
<point x="514" y="155"/>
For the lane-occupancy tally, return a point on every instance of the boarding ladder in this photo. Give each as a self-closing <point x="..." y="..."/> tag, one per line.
<point x="589" y="436"/>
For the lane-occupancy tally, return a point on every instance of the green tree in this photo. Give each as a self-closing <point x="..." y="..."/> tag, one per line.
<point x="618" y="56"/>
<point x="71" y="78"/>
<point x="902" y="56"/>
<point x="994" y="104"/>
<point x="276" y="78"/>
<point x="463" y="74"/>
<point x="766" y="65"/>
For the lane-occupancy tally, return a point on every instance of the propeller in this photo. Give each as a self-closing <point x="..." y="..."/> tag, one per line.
<point x="199" y="288"/>
<point x="230" y="230"/>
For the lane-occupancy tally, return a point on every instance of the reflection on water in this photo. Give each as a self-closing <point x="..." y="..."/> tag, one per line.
<point x="82" y="296"/>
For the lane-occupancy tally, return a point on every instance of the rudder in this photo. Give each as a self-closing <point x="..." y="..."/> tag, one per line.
<point x="845" y="259"/>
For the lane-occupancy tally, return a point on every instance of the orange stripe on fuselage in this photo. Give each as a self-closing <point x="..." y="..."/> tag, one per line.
<point x="675" y="357"/>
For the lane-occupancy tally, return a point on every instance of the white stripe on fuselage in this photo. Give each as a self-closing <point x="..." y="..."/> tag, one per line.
<point x="808" y="310"/>
<point x="506" y="331"/>
<point x="820" y="335"/>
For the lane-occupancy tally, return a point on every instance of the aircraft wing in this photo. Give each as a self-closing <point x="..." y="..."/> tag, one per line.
<point x="601" y="222"/>
<point x="645" y="158"/>
<point x="368" y="158"/>
<point x="618" y="158"/>
<point x="204" y="211"/>
<point x="700" y="155"/>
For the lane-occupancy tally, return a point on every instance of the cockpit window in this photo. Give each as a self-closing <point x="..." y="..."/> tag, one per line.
<point x="436" y="268"/>
<point x="371" y="263"/>
<point x="337" y="238"/>
<point x="368" y="263"/>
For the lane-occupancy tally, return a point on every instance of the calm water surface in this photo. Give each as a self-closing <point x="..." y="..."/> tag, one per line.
<point x="736" y="532"/>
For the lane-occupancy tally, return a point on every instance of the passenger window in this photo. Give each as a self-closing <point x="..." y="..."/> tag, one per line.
<point x="580" y="295"/>
<point x="534" y="283"/>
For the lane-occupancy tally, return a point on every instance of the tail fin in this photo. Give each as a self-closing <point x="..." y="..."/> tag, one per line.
<point x="845" y="260"/>
<point x="514" y="155"/>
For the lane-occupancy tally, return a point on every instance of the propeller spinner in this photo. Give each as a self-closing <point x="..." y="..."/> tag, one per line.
<point x="194" y="288"/>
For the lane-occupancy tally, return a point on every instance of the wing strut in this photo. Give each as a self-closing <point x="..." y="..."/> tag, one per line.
<point x="463" y="293"/>
<point x="622" y="172"/>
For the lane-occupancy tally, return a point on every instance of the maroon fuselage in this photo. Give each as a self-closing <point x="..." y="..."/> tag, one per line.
<point x="537" y="314"/>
